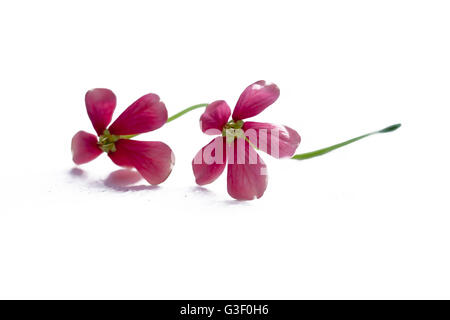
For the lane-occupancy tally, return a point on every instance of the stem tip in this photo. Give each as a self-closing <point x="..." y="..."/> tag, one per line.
<point x="391" y="128"/>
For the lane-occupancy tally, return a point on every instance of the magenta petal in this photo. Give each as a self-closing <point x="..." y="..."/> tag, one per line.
<point x="255" y="98"/>
<point x="215" y="117"/>
<point x="100" y="105"/>
<point x="210" y="161"/>
<point x="146" y="114"/>
<point x="278" y="141"/>
<point x="84" y="147"/>
<point x="247" y="173"/>
<point x="154" y="160"/>
<point x="121" y="159"/>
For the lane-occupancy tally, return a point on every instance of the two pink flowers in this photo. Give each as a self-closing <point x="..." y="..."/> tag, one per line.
<point x="235" y="146"/>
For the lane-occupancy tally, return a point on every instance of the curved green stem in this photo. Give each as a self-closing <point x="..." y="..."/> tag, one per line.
<point x="316" y="153"/>
<point x="179" y="114"/>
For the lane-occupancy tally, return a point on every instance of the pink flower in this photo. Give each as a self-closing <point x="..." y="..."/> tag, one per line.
<point x="247" y="173"/>
<point x="153" y="160"/>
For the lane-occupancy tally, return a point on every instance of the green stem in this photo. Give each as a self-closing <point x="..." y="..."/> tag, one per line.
<point x="128" y="136"/>
<point x="316" y="153"/>
<point x="179" y="114"/>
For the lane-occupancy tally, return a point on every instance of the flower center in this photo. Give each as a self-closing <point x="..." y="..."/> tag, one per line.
<point x="232" y="130"/>
<point x="107" y="141"/>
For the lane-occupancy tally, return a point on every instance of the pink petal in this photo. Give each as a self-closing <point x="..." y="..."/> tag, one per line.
<point x="255" y="99"/>
<point x="100" y="105"/>
<point x="247" y="172"/>
<point x="84" y="147"/>
<point x="210" y="161"/>
<point x="154" y="160"/>
<point x="146" y="114"/>
<point x="215" y="117"/>
<point x="278" y="141"/>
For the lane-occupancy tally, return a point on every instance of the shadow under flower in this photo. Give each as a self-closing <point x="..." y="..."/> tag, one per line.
<point x="200" y="190"/>
<point x="77" y="172"/>
<point x="124" y="179"/>
<point x="234" y="202"/>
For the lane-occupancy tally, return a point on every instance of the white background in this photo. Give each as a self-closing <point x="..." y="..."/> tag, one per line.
<point x="367" y="221"/>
